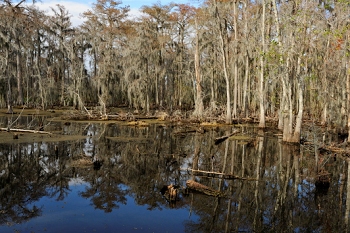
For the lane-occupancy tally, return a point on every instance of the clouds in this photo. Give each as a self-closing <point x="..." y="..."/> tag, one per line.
<point x="77" y="7"/>
<point x="74" y="8"/>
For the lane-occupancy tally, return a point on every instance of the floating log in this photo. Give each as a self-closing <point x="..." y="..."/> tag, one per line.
<point x="24" y="131"/>
<point x="191" y="184"/>
<point x="223" y="138"/>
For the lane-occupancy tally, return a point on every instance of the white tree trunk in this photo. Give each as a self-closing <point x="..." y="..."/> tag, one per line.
<point x="199" y="108"/>
<point x="347" y="66"/>
<point x="262" y="64"/>
<point x="227" y="79"/>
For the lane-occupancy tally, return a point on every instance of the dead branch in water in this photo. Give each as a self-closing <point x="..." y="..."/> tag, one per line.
<point x="24" y="131"/>
<point x="220" y="174"/>
<point x="191" y="184"/>
<point x="223" y="138"/>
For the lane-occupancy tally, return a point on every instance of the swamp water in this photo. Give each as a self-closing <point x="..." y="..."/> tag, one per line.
<point x="48" y="183"/>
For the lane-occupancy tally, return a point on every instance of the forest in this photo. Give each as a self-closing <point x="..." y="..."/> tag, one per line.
<point x="267" y="60"/>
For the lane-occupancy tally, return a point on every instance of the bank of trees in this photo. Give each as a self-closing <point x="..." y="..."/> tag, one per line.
<point x="285" y="60"/>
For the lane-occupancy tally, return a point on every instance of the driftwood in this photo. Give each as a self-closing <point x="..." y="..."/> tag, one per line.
<point x="191" y="184"/>
<point x="223" y="138"/>
<point x="25" y="131"/>
<point x="219" y="175"/>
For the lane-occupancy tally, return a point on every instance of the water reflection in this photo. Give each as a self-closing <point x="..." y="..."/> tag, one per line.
<point x="282" y="188"/>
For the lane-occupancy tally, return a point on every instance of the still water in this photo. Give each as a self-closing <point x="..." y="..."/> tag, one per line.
<point x="50" y="184"/>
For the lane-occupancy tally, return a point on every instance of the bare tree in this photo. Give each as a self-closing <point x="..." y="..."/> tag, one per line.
<point x="106" y="22"/>
<point x="13" y="33"/>
<point x="199" y="108"/>
<point x="62" y="32"/>
<point x="222" y="27"/>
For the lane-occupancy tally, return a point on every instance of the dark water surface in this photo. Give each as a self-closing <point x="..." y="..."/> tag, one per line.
<point x="54" y="187"/>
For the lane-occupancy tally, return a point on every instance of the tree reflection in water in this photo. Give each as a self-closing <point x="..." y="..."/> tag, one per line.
<point x="287" y="190"/>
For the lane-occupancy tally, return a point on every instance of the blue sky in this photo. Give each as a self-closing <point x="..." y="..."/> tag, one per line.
<point x="76" y="7"/>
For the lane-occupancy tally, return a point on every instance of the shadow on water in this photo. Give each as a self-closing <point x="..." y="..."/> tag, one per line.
<point x="141" y="173"/>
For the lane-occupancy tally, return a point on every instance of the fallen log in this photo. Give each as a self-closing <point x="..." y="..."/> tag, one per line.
<point x="223" y="138"/>
<point x="191" y="184"/>
<point x="24" y="131"/>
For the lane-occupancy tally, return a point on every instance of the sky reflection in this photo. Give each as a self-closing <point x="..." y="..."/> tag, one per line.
<point x="77" y="214"/>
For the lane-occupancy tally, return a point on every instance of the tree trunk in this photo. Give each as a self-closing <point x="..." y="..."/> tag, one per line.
<point x="235" y="62"/>
<point x="199" y="108"/>
<point x="262" y="64"/>
<point x="282" y="99"/>
<point x="299" y="119"/>
<point x="20" y="99"/>
<point x="287" y="116"/>
<point x="245" y="86"/>
<point x="9" y="91"/>
<point x="246" y="65"/>
<point x="156" y="88"/>
<point x="281" y="109"/>
<point x="348" y="93"/>
<point x="224" y="64"/>
<point x="9" y="97"/>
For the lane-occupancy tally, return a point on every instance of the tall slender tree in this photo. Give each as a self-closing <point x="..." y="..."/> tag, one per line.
<point x="106" y="24"/>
